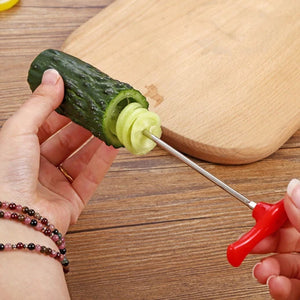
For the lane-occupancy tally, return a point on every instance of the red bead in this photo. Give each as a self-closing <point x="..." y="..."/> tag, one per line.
<point x="47" y="231"/>
<point x="20" y="245"/>
<point x="44" y="221"/>
<point x="14" y="216"/>
<point x="12" y="206"/>
<point x="53" y="253"/>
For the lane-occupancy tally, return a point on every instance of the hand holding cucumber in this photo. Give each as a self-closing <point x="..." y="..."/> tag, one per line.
<point x="34" y="142"/>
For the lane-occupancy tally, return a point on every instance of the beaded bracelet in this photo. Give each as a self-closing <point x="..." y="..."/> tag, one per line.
<point x="40" y="224"/>
<point x="40" y="249"/>
<point x="47" y="229"/>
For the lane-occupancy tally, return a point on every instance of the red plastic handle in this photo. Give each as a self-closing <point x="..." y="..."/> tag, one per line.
<point x="269" y="218"/>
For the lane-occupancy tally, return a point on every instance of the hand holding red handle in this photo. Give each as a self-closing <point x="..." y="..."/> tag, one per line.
<point x="269" y="218"/>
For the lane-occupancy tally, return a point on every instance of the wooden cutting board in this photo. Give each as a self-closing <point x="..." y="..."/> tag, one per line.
<point x="222" y="75"/>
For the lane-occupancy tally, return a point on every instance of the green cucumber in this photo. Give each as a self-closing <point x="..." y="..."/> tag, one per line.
<point x="94" y="100"/>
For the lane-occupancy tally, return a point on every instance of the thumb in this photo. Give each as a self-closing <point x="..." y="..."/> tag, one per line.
<point x="43" y="101"/>
<point x="292" y="203"/>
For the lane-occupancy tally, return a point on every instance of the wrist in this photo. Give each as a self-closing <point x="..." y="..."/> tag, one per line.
<point x="46" y="208"/>
<point x="31" y="219"/>
<point x="13" y="232"/>
<point x="33" y="268"/>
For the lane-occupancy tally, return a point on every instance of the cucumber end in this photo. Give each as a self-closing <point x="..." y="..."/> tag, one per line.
<point x="113" y="110"/>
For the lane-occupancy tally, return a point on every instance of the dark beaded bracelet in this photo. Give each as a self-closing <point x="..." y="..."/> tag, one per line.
<point x="48" y="229"/>
<point x="56" y="237"/>
<point x="39" y="223"/>
<point x="40" y="249"/>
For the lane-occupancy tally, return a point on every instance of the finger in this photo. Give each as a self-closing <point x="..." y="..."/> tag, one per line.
<point x="64" y="203"/>
<point x="64" y="143"/>
<point x="287" y="265"/>
<point x="286" y="239"/>
<point x="78" y="162"/>
<point x="51" y="125"/>
<point x="88" y="180"/>
<point x="266" y="268"/>
<point x="43" y="101"/>
<point x="292" y="203"/>
<point x="283" y="288"/>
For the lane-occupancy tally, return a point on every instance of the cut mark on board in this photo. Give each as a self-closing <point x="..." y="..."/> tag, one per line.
<point x="152" y="93"/>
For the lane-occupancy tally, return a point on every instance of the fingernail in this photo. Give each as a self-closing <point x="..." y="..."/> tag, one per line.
<point x="257" y="265"/>
<point x="50" y="77"/>
<point x="270" y="278"/>
<point x="293" y="191"/>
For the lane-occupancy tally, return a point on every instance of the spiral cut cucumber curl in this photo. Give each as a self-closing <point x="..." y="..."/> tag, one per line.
<point x="131" y="123"/>
<point x="112" y="110"/>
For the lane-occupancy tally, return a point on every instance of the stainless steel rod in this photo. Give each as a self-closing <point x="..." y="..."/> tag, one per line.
<point x="218" y="182"/>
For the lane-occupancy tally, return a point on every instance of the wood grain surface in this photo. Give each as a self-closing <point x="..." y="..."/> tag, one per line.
<point x="222" y="75"/>
<point x="155" y="229"/>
